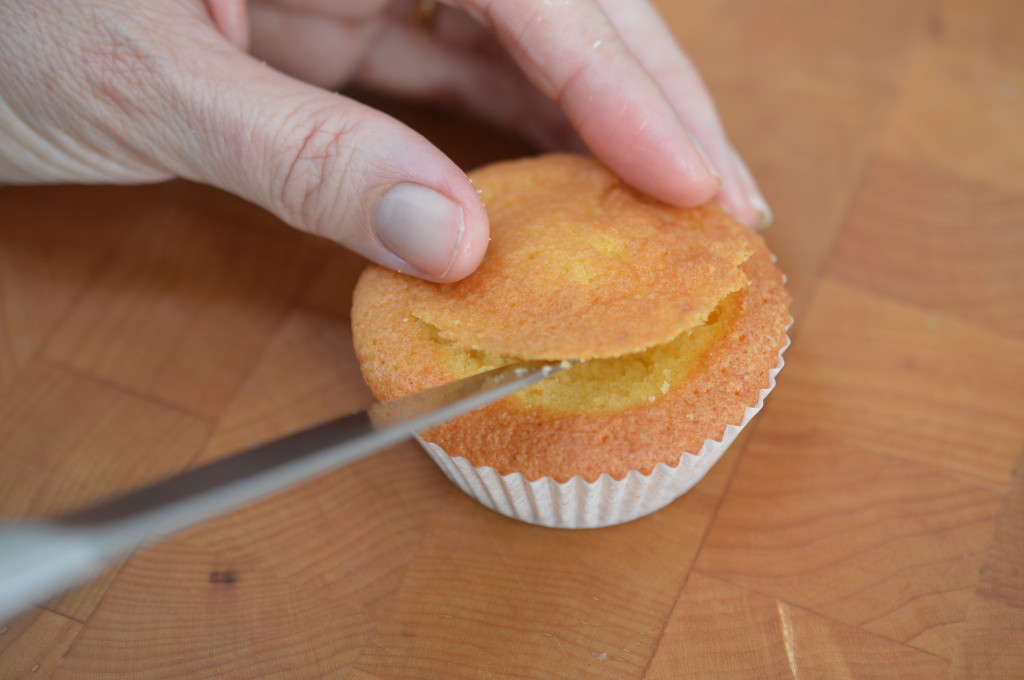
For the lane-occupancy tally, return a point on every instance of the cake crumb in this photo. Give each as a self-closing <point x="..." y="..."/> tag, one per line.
<point x="664" y="387"/>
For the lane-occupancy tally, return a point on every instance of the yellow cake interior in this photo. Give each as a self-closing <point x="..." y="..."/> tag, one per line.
<point x="611" y="384"/>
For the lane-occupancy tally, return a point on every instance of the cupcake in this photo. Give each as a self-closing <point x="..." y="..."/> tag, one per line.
<point x="678" y="316"/>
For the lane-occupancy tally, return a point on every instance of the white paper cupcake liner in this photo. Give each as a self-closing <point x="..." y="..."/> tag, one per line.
<point x="579" y="504"/>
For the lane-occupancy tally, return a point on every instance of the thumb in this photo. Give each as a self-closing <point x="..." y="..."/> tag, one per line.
<point x="333" y="167"/>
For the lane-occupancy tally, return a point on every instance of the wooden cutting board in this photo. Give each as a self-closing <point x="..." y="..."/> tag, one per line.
<point x="870" y="522"/>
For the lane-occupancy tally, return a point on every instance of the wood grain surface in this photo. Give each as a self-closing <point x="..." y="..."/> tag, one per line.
<point x="868" y="524"/>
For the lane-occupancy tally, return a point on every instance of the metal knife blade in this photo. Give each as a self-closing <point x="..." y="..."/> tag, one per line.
<point x="41" y="559"/>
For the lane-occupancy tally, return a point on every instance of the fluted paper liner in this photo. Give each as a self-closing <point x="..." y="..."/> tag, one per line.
<point x="579" y="504"/>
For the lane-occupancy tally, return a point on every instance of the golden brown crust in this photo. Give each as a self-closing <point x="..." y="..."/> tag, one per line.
<point x="599" y="270"/>
<point x="397" y="359"/>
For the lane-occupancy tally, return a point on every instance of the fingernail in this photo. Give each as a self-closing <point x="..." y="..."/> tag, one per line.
<point x="708" y="165"/>
<point x="421" y="226"/>
<point x="753" y="192"/>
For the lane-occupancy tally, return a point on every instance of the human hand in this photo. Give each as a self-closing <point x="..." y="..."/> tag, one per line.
<point x="130" y="91"/>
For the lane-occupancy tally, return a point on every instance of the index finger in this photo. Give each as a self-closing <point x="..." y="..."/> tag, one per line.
<point x="572" y="53"/>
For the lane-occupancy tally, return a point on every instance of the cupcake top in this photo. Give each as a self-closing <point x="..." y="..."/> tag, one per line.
<point x="680" y="315"/>
<point x="582" y="266"/>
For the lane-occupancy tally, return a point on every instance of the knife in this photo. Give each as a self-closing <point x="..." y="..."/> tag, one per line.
<point x="41" y="559"/>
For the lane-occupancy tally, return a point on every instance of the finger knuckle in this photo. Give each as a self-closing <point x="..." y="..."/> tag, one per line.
<point x="316" y="152"/>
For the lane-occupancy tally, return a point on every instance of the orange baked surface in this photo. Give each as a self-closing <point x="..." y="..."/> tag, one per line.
<point x="580" y="265"/>
<point x="681" y="314"/>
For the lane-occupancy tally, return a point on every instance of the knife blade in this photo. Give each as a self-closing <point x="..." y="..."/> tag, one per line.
<point x="40" y="559"/>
